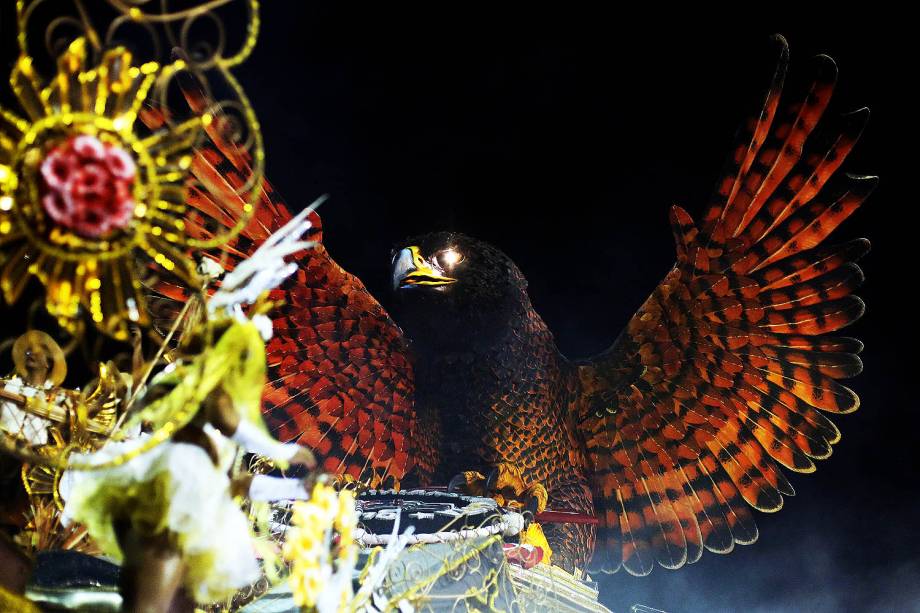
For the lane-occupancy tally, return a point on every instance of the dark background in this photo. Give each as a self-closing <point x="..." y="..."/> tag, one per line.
<point x="563" y="137"/>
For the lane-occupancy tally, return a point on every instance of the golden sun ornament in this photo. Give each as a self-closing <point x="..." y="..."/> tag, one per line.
<point x="81" y="190"/>
<point x="91" y="193"/>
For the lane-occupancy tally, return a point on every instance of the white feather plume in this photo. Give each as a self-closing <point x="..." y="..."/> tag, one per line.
<point x="266" y="268"/>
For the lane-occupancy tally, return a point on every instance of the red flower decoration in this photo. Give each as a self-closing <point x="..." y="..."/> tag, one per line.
<point x="87" y="186"/>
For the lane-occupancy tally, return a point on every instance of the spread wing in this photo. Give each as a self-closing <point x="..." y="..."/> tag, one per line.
<point x="339" y="378"/>
<point x="726" y="372"/>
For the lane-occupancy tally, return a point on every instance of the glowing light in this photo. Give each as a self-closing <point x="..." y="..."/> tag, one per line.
<point x="449" y="258"/>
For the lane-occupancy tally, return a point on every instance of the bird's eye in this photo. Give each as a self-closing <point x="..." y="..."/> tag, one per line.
<point x="448" y="258"/>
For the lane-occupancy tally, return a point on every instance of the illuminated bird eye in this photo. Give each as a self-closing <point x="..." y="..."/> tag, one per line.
<point x="448" y="258"/>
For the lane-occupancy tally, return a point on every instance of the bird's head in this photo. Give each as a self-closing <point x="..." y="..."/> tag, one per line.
<point x="451" y="290"/>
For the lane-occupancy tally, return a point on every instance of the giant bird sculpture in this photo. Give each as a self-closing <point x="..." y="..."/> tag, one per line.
<point x="722" y="377"/>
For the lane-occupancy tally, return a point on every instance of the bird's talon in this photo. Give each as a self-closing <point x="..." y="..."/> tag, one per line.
<point x="491" y="480"/>
<point x="468" y="482"/>
<point x="455" y="483"/>
<point x="538" y="497"/>
<point x="505" y="484"/>
<point x="533" y="504"/>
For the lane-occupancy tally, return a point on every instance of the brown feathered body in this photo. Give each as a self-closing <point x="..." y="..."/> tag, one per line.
<point x="507" y="398"/>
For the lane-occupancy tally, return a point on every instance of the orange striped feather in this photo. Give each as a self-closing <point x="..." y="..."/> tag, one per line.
<point x="735" y="361"/>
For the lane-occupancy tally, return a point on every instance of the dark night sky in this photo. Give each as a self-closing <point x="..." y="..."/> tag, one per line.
<point x="563" y="137"/>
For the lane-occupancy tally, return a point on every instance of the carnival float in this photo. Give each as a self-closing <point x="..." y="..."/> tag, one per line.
<point x="204" y="411"/>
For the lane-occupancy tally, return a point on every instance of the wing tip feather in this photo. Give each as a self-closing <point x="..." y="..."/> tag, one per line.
<point x="825" y="68"/>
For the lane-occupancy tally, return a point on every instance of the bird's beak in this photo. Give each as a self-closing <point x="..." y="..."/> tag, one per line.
<point x="411" y="270"/>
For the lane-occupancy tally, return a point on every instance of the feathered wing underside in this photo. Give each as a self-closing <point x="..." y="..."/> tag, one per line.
<point x="731" y="364"/>
<point x="339" y="378"/>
